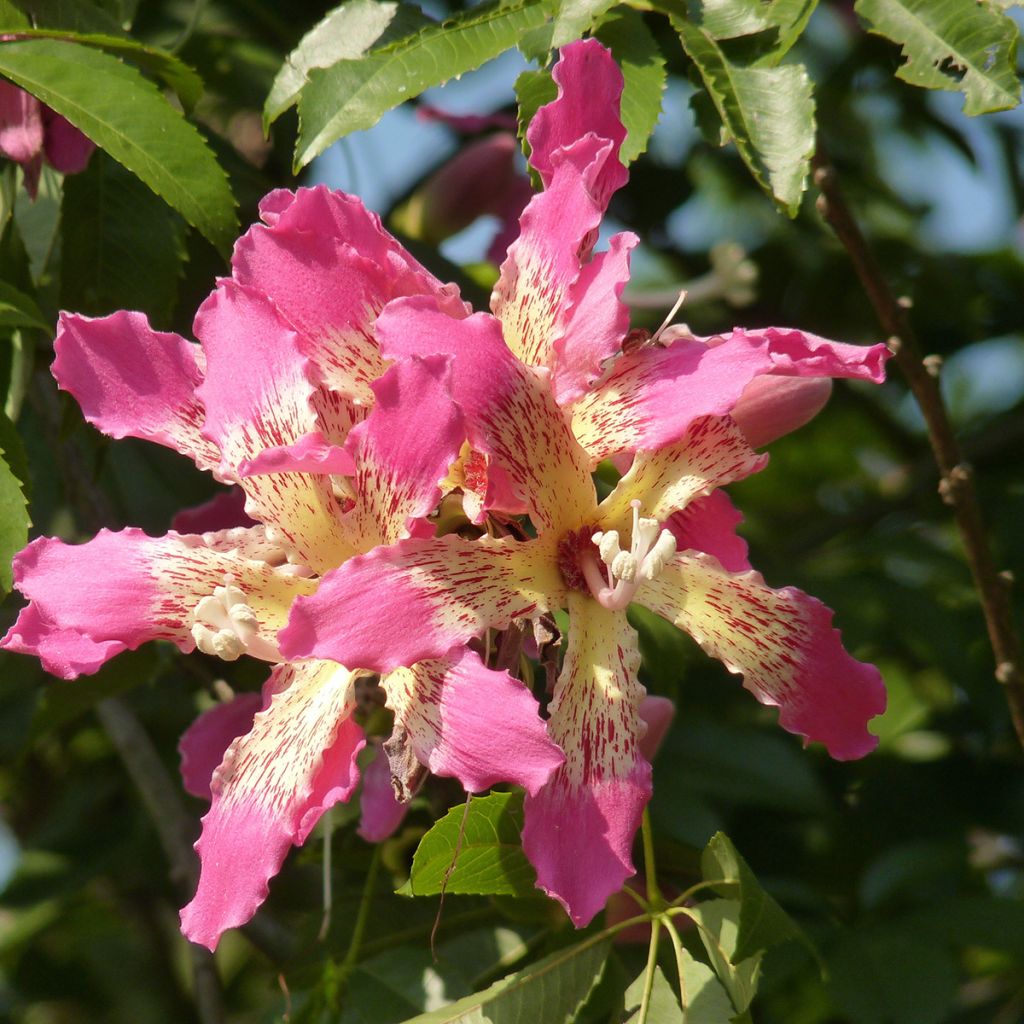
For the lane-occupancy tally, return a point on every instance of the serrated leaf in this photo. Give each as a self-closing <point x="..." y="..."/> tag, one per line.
<point x="347" y="31"/>
<point x="966" y="45"/>
<point x="14" y="521"/>
<point x="663" y="1007"/>
<point x="126" y="115"/>
<point x="551" y="990"/>
<point x="353" y="94"/>
<point x="728" y="19"/>
<point x="112" y="224"/>
<point x="18" y="310"/>
<point x="767" y="111"/>
<point x="174" y="73"/>
<point x="572" y="19"/>
<point x="643" y="69"/>
<point x="762" y="921"/>
<point x="718" y="924"/>
<point x="488" y="859"/>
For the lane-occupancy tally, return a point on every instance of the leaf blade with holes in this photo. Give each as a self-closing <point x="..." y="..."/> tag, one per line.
<point x="485" y="857"/>
<point x="126" y="115"/>
<point x="353" y="94"/>
<point x="952" y="44"/>
<point x="551" y="990"/>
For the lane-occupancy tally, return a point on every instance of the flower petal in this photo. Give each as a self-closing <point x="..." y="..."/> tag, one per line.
<point x="709" y="524"/>
<point x="203" y="743"/>
<point x="420" y="598"/>
<point x="132" y="381"/>
<point x="272" y="787"/>
<point x="468" y="722"/>
<point x="579" y="828"/>
<point x="783" y="643"/>
<point x="510" y="412"/>
<point x="67" y="149"/>
<point x="119" y="590"/>
<point x="402" y="452"/>
<point x="652" y="395"/>
<point x="381" y="812"/>
<point x="328" y="266"/>
<point x="772" y="406"/>
<point x="258" y="396"/>
<point x="589" y="99"/>
<point x="224" y="511"/>
<point x="310" y="454"/>
<point x="712" y="453"/>
<point x="21" y="124"/>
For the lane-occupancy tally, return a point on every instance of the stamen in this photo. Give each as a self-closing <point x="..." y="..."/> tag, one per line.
<point x="671" y="313"/>
<point x="225" y="626"/>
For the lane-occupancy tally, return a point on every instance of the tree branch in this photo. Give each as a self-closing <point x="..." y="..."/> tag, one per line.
<point x="956" y="482"/>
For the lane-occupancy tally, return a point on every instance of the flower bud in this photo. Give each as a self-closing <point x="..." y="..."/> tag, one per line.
<point x="771" y="406"/>
<point x="657" y="713"/>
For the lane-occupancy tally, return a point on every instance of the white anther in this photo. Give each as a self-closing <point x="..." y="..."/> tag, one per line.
<point x="624" y="567"/>
<point x="227" y="646"/>
<point x="225" y="626"/>
<point x="608" y="545"/>
<point x="663" y="550"/>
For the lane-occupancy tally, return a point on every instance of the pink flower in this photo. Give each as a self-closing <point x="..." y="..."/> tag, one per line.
<point x="548" y="393"/>
<point x="30" y="132"/>
<point x="286" y="398"/>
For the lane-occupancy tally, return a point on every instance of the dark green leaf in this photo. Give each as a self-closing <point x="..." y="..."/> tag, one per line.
<point x="18" y="310"/>
<point x="551" y="990"/>
<point x="14" y="521"/>
<point x="643" y="68"/>
<point x="762" y="922"/>
<point x="76" y="15"/>
<point x="125" y="114"/>
<point x="175" y="74"/>
<point x="485" y="857"/>
<point x="533" y="90"/>
<point x="353" y="94"/>
<point x="112" y="224"/>
<point x="767" y="111"/>
<point x="347" y="31"/>
<point x="952" y="44"/>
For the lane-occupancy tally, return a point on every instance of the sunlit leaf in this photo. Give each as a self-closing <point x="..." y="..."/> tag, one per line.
<point x="14" y="521"/>
<point x="718" y="924"/>
<point x="478" y="851"/>
<point x="353" y="94"/>
<point x="125" y="114"/>
<point x="961" y="45"/>
<point x="663" y="1007"/>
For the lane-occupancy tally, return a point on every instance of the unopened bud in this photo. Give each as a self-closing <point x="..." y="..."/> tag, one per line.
<point x="772" y="406"/>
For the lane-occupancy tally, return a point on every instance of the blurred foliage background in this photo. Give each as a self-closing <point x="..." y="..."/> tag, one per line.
<point x="906" y="869"/>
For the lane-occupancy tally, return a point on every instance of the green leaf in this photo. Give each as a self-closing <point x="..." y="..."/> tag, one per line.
<point x="643" y="68"/>
<point x="663" y="1007"/>
<point x="550" y="990"/>
<point x="347" y="31"/>
<point x="767" y="111"/>
<point x="728" y="19"/>
<point x="174" y="73"/>
<point x="76" y="15"/>
<point x="572" y="19"/>
<point x="353" y="94"/>
<point x="533" y="90"/>
<point x="489" y="858"/>
<point x="762" y="921"/>
<point x="14" y="521"/>
<point x="112" y="223"/>
<point x="127" y="116"/>
<point x="705" y="1000"/>
<point x="18" y="310"/>
<point x="968" y="45"/>
<point x="718" y="924"/>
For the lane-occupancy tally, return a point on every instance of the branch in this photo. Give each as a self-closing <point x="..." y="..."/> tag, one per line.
<point x="956" y="483"/>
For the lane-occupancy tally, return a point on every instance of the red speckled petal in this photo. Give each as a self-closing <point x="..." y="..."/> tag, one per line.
<point x="709" y="524"/>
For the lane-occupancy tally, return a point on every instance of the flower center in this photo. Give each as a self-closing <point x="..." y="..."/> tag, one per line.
<point x="225" y="626"/>
<point x="650" y="548"/>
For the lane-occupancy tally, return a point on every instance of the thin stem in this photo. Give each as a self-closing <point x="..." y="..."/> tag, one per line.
<point x="654" y="897"/>
<point x="956" y="484"/>
<point x="652" y="963"/>
<point x="355" y="944"/>
<point x="325" y="921"/>
<point x="677" y="945"/>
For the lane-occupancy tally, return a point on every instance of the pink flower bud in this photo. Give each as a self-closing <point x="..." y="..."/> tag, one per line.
<point x="657" y="713"/>
<point x="772" y="406"/>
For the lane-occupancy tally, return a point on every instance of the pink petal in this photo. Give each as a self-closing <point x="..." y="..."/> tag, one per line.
<point x="328" y="266"/>
<point x="773" y="406"/>
<point x="258" y="396"/>
<point x="783" y="643"/>
<point x="203" y="743"/>
<point x="402" y="451"/>
<point x="557" y="231"/>
<point x="21" y="124"/>
<point x="271" y="789"/>
<point x="420" y="598"/>
<point x="467" y="124"/>
<point x="67" y="149"/>
<point x="709" y="524"/>
<point x="119" y="590"/>
<point x="589" y="98"/>
<point x="132" y="381"/>
<point x="598" y="320"/>
<point x="651" y="396"/>
<point x="657" y="714"/>
<point x="579" y="828"/>
<point x="510" y="412"/>
<point x="468" y="722"/>
<point x="310" y="454"/>
<point x="509" y="212"/>
<point x="381" y="812"/>
<point x="223" y="511"/>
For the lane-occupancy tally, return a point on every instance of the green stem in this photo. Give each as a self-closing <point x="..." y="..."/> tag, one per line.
<point x="677" y="945"/>
<point x="652" y="963"/>
<point x="654" y="896"/>
<point x="358" y="930"/>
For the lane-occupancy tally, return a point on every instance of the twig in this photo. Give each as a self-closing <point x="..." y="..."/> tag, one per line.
<point x="956" y="483"/>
